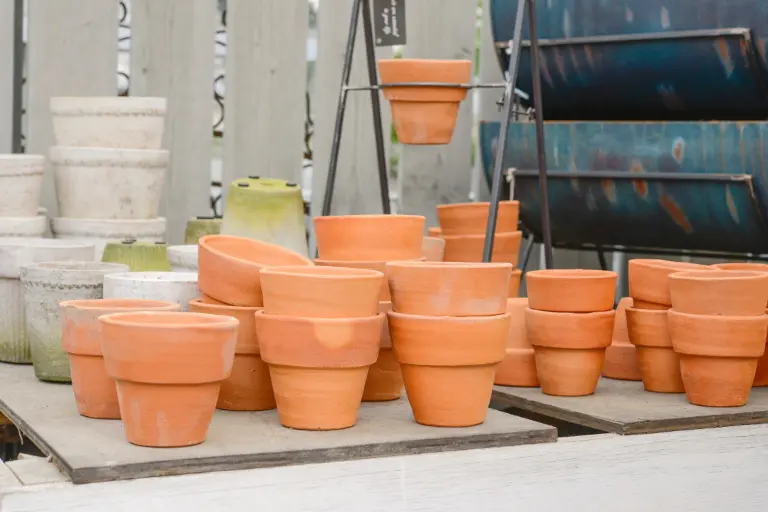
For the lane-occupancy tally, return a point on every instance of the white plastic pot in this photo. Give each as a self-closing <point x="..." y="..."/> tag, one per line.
<point x="183" y="258"/>
<point x="96" y="183"/>
<point x="24" y="227"/>
<point x="178" y="287"/>
<point x="100" y="232"/>
<point x="21" y="181"/>
<point x="109" y="122"/>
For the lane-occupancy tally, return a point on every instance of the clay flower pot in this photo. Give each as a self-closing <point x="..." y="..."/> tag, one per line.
<point x="569" y="349"/>
<point x="183" y="258"/>
<point x="519" y="365"/>
<point x="434" y="232"/>
<point x="660" y="366"/>
<point x="100" y="232"/>
<point x="424" y="115"/>
<point x="178" y="287"/>
<point x="469" y="248"/>
<point x="248" y="388"/>
<point x="571" y="291"/>
<point x="321" y="292"/>
<point x="139" y="256"/>
<point x="449" y="289"/>
<point x="721" y="292"/>
<point x="718" y="355"/>
<point x="21" y="181"/>
<point x="433" y="248"/>
<point x="369" y="237"/>
<point x="752" y="267"/>
<point x="229" y="267"/>
<point x="168" y="368"/>
<point x="318" y="366"/>
<point x="648" y="281"/>
<point x="209" y="300"/>
<point x="379" y="266"/>
<point x="95" y="391"/>
<point x="621" y="356"/>
<point x="472" y="218"/>
<point x="448" y="364"/>
<point x="199" y="227"/>
<point x="761" y="374"/>
<point x="514" y="283"/>
<point x="385" y="379"/>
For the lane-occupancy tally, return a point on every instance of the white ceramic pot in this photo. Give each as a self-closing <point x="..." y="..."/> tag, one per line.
<point x="24" y="227"/>
<point x="18" y="252"/>
<point x="109" y="122"/>
<point x="100" y="232"/>
<point x="97" y="183"/>
<point x="178" y="287"/>
<point x="183" y="258"/>
<point x="21" y="181"/>
<point x="45" y="286"/>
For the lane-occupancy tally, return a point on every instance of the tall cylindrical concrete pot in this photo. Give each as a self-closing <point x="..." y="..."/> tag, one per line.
<point x="21" y="180"/>
<point x="100" y="232"/>
<point x="178" y="287"/>
<point x="183" y="258"/>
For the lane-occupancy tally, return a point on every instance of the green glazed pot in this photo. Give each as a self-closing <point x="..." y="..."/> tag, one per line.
<point x="199" y="227"/>
<point x="139" y="256"/>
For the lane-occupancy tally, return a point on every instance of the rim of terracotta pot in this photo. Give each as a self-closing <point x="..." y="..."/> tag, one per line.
<point x="512" y="235"/>
<point x="449" y="264"/>
<point x="752" y="267"/>
<point x="572" y="274"/>
<point x="718" y="275"/>
<point x="476" y="205"/>
<point x="223" y="307"/>
<point x="328" y="273"/>
<point x="367" y="217"/>
<point x="212" y="244"/>
<point x="120" y="305"/>
<point x="171" y="320"/>
<point x="653" y="318"/>
<point x="690" y="289"/>
<point x="566" y="322"/>
<point x="659" y="263"/>
<point x="360" y="263"/>
<point x="717" y="335"/>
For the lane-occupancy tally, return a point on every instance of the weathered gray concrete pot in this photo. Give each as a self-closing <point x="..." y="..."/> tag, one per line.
<point x="183" y="258"/>
<point x="178" y="287"/>
<point x="45" y="286"/>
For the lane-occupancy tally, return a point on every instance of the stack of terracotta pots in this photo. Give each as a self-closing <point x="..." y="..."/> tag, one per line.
<point x="519" y="365"/>
<point x="569" y="322"/>
<point x="621" y="357"/>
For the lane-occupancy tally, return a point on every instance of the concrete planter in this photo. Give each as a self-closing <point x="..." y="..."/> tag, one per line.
<point x="23" y="227"/>
<point x="199" y="227"/>
<point x="183" y="258"/>
<point x="139" y="256"/>
<point x="21" y="180"/>
<point x="178" y="287"/>
<point x="100" y="232"/>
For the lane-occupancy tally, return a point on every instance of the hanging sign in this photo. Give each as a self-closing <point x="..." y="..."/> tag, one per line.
<point x="388" y="22"/>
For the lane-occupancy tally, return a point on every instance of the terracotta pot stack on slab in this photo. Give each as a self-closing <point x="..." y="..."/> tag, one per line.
<point x="621" y="356"/>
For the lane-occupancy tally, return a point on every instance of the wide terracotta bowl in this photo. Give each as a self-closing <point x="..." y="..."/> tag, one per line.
<point x="472" y="218"/>
<point x="721" y="292"/>
<point x="571" y="291"/>
<point x="649" y="284"/>
<point x="469" y="248"/>
<point x="369" y="237"/>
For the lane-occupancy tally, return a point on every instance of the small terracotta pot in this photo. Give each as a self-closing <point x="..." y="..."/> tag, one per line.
<point x="472" y="218"/>
<point x="718" y="355"/>
<point x="95" y="391"/>
<point x="321" y="292"/>
<point x="433" y="248"/>
<point x="761" y="374"/>
<point x="248" y="388"/>
<point x="385" y="379"/>
<point x="469" y="248"/>
<point x="369" y="237"/>
<point x="721" y="292"/>
<point x="318" y="366"/>
<point x="571" y="291"/>
<point x="449" y="289"/>
<point x="424" y="115"/>
<point x="569" y="349"/>
<point x="519" y="365"/>
<point x="168" y="368"/>
<point x="621" y="357"/>
<point x="659" y="364"/>
<point x="448" y="364"/>
<point x="514" y="283"/>
<point x="434" y="232"/>
<point x="229" y="267"/>
<point x="648" y="281"/>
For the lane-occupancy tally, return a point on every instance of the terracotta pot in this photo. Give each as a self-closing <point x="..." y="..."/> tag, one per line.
<point x="469" y="248"/>
<point x="434" y="232"/>
<point x="385" y="379"/>
<point x="448" y="364"/>
<point x="248" y="388"/>
<point x="718" y="355"/>
<point x="178" y="287"/>
<point x="472" y="218"/>
<point x="571" y="291"/>
<point x="199" y="227"/>
<point x="168" y="368"/>
<point x="424" y="115"/>
<point x="648" y="281"/>
<point x="139" y="256"/>
<point x="229" y="266"/>
<point x="369" y="237"/>
<point x="721" y="292"/>
<point x="519" y="365"/>
<point x="752" y="267"/>
<point x="100" y="232"/>
<point x="379" y="266"/>
<point x="21" y="181"/>
<point x="641" y="304"/>
<point x="659" y="365"/>
<point x="569" y="349"/>
<point x="449" y="289"/>
<point x="95" y="391"/>
<point x="761" y="374"/>
<point x="318" y="366"/>
<point x="208" y="300"/>
<point x="621" y="356"/>
<point x="432" y="248"/>
<point x="514" y="283"/>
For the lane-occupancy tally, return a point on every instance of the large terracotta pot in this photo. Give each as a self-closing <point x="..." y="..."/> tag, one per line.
<point x="569" y="349"/>
<point x="659" y="364"/>
<point x="621" y="357"/>
<point x="448" y="380"/>
<point x="248" y="387"/>
<point x="433" y="248"/>
<point x="718" y="355"/>
<point x="21" y="181"/>
<point x="229" y="266"/>
<point x="318" y="366"/>
<point x="369" y="237"/>
<point x="649" y="284"/>
<point x="721" y="292"/>
<point x="514" y="283"/>
<point x="95" y="391"/>
<point x="469" y="248"/>
<point x="571" y="291"/>
<point x="519" y="365"/>
<point x="472" y="218"/>
<point x="385" y="379"/>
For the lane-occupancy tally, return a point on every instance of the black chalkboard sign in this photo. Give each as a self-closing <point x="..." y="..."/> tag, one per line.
<point x="389" y="22"/>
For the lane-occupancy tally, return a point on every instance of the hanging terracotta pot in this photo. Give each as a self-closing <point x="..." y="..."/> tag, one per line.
<point x="229" y="267"/>
<point x="449" y="381"/>
<point x="433" y="248"/>
<point x="659" y="364"/>
<point x="569" y="349"/>
<point x="183" y="258"/>
<point x="318" y="366"/>
<point x="385" y="379"/>
<point x="178" y="287"/>
<point x="168" y="368"/>
<point x="449" y="289"/>
<point x="472" y="218"/>
<point x="720" y="292"/>
<point x="369" y="237"/>
<point x="424" y="115"/>
<point x="199" y="227"/>
<point x="248" y="388"/>
<point x="95" y="391"/>
<point x="648" y="281"/>
<point x="100" y="232"/>
<point x="21" y="182"/>
<point x="434" y="232"/>
<point x="519" y="365"/>
<point x="571" y="291"/>
<point x="321" y="292"/>
<point x="621" y="356"/>
<point x="469" y="248"/>
<point x="139" y="256"/>
<point x="718" y="355"/>
<point x="514" y="283"/>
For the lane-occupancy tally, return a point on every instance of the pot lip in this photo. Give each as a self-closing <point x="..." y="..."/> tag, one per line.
<point x="442" y="62"/>
<point x="368" y="217"/>
<point x="648" y="312"/>
<point x="87" y="267"/>
<point x="450" y="265"/>
<point x="449" y="319"/>
<point x="571" y="274"/>
<point x="718" y="275"/>
<point x="155" y="277"/>
<point x="198" y="302"/>
<point x="591" y="314"/>
<point x="119" y="105"/>
<point x="109" y="305"/>
<point x="718" y="318"/>
<point x="324" y="272"/>
<point x="475" y="205"/>
<point x="79" y="154"/>
<point x="742" y="266"/>
<point x="152" y="319"/>
<point x="205" y="243"/>
<point x="359" y="263"/>
<point x="512" y="235"/>
<point x="290" y="319"/>
<point x="667" y="264"/>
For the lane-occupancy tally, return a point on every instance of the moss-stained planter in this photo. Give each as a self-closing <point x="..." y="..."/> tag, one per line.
<point x="178" y="287"/>
<point x="199" y="227"/>
<point x="139" y="256"/>
<point x="100" y="232"/>
<point x="183" y="258"/>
